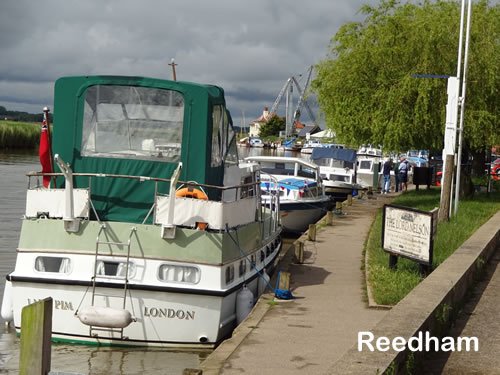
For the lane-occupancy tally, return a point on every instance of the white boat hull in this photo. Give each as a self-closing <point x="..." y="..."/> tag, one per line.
<point x="296" y="216"/>
<point x="163" y="316"/>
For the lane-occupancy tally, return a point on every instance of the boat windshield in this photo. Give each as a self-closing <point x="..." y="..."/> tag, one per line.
<point x="133" y="122"/>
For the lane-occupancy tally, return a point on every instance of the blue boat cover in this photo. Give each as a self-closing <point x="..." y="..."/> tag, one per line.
<point x="288" y="143"/>
<point x="334" y="153"/>
<point x="296" y="183"/>
<point x="290" y="184"/>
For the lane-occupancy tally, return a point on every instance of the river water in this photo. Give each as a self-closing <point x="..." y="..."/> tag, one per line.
<point x="83" y="359"/>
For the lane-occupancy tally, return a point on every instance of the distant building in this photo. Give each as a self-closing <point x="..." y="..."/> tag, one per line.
<point x="256" y="124"/>
<point x="307" y="129"/>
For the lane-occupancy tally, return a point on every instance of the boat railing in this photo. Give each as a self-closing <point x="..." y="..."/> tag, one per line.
<point x="235" y="205"/>
<point x="273" y="204"/>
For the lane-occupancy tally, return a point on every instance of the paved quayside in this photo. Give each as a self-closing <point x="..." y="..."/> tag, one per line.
<point x="309" y="334"/>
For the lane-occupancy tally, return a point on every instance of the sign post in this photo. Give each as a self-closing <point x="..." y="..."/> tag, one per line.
<point x="409" y="233"/>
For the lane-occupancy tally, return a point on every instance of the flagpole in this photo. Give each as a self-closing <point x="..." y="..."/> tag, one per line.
<point x="46" y="111"/>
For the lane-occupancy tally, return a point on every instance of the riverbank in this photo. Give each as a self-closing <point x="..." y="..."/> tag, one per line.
<point x="19" y="135"/>
<point x="389" y="286"/>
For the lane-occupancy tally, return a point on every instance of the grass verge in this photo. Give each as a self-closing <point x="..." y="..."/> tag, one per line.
<point x="19" y="135"/>
<point x="391" y="286"/>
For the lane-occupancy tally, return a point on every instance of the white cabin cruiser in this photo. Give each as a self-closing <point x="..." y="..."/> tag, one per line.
<point x="369" y="166"/>
<point x="337" y="168"/>
<point x="129" y="253"/>
<point x="310" y="145"/>
<point x="302" y="199"/>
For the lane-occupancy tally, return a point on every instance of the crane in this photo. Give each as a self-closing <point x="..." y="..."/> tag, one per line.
<point x="288" y="88"/>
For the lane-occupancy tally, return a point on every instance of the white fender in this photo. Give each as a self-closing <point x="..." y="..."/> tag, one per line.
<point x="7" y="311"/>
<point x="105" y="317"/>
<point x="244" y="304"/>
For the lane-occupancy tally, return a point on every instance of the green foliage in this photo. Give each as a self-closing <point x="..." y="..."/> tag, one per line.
<point x="18" y="135"/>
<point x="390" y="286"/>
<point x="366" y="89"/>
<point x="272" y="127"/>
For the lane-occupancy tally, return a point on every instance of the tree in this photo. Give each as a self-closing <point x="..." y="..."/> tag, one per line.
<point x="366" y="89"/>
<point x="272" y="127"/>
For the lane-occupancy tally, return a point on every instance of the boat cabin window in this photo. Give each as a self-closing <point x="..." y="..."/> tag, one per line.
<point x="365" y="164"/>
<point x="53" y="264"/>
<point x="223" y="138"/>
<point x="114" y="268"/>
<point x="339" y="177"/>
<point x="247" y="191"/>
<point x="229" y="274"/>
<point x="179" y="274"/>
<point x="132" y="122"/>
<point x="242" y="268"/>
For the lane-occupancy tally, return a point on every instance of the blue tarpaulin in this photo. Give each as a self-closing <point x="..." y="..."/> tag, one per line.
<point x="295" y="183"/>
<point x="334" y="153"/>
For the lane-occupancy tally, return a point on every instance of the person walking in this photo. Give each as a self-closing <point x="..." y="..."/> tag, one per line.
<point x="387" y="176"/>
<point x="404" y="166"/>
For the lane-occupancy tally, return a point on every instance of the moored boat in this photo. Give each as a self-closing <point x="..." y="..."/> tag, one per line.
<point x="337" y="167"/>
<point x="302" y="199"/>
<point x="369" y="166"/>
<point x="310" y="145"/>
<point x="256" y="142"/>
<point x="131" y="254"/>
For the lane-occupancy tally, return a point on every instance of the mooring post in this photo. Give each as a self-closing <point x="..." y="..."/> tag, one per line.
<point x="299" y="252"/>
<point x="36" y="330"/>
<point x="312" y="232"/>
<point x="338" y="208"/>
<point x="284" y="282"/>
<point x="349" y="200"/>
<point x="329" y="218"/>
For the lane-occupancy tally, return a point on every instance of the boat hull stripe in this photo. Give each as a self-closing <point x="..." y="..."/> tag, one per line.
<point x="154" y="288"/>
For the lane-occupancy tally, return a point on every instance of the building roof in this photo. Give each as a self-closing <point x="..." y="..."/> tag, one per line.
<point x="311" y="129"/>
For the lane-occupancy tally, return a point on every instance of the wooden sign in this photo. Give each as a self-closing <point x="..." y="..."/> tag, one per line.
<point x="409" y="233"/>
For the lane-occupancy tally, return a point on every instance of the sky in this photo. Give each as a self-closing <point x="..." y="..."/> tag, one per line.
<point x="249" y="48"/>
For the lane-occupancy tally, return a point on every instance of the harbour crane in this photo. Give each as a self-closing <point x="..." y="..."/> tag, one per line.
<point x="288" y="89"/>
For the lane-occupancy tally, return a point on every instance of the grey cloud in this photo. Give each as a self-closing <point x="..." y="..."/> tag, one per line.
<point x="248" y="48"/>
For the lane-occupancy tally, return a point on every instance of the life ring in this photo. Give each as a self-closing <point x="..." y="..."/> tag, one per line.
<point x="190" y="192"/>
<point x="495" y="172"/>
<point x="438" y="182"/>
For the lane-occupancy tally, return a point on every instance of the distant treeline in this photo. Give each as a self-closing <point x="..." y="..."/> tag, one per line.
<point x="21" y="116"/>
<point x="19" y="135"/>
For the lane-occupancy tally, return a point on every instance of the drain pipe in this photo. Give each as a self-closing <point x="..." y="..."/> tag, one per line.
<point x="71" y="224"/>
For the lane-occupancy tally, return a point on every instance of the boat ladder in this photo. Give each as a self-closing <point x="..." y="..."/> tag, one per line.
<point x="101" y="276"/>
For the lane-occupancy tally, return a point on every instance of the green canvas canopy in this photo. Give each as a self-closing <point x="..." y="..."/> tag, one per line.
<point x="140" y="127"/>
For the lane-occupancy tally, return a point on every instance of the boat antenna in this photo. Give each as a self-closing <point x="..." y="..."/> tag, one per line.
<point x="173" y="64"/>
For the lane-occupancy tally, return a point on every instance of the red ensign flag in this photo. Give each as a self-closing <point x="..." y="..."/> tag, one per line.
<point x="45" y="154"/>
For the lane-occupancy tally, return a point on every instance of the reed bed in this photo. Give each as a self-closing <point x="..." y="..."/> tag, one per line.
<point x="19" y="135"/>
<point x="391" y="286"/>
